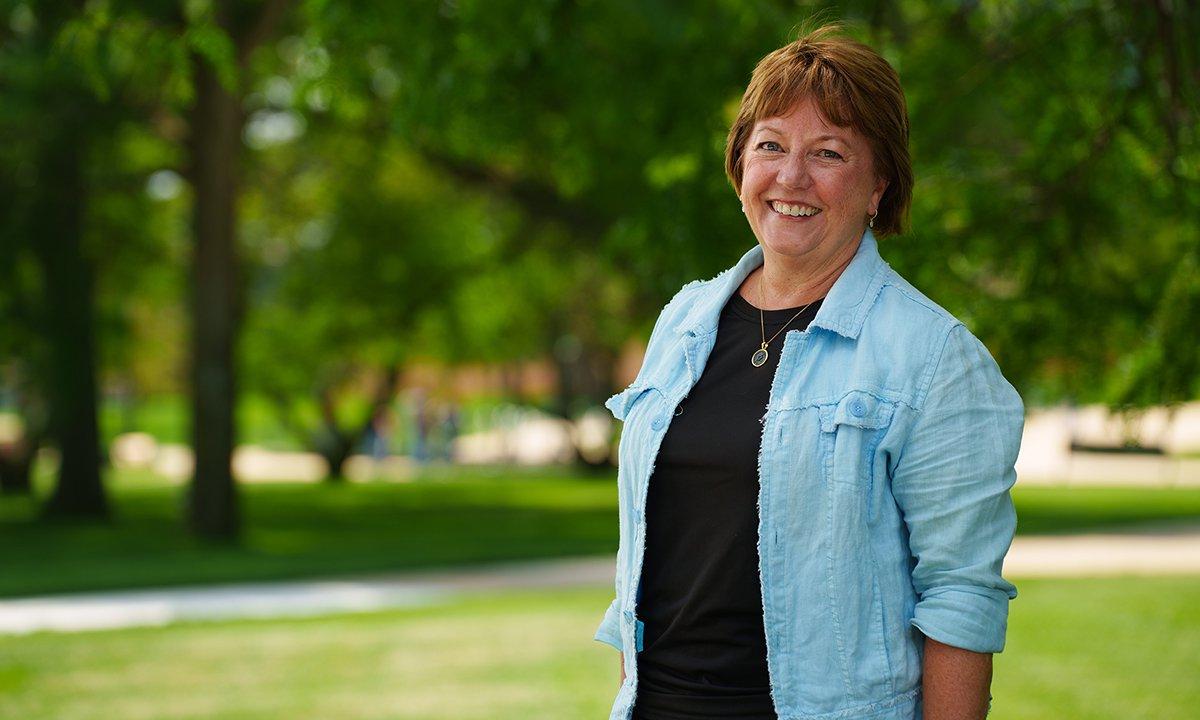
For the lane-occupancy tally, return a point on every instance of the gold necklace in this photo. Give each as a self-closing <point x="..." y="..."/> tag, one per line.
<point x="759" y="358"/>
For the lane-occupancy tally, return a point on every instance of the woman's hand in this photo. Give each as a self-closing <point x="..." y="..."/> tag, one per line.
<point x="622" y="668"/>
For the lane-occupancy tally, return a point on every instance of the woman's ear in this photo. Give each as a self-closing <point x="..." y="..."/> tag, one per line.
<point x="881" y="186"/>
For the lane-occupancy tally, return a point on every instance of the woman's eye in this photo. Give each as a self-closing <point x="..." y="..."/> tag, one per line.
<point x="829" y="154"/>
<point x="770" y="145"/>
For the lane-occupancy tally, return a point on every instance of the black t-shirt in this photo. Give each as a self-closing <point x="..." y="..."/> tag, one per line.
<point x="704" y="651"/>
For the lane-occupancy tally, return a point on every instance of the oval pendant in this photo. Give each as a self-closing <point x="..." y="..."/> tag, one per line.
<point x="759" y="358"/>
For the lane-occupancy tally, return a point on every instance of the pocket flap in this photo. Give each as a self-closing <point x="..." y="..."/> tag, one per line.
<point x="619" y="404"/>
<point x="858" y="409"/>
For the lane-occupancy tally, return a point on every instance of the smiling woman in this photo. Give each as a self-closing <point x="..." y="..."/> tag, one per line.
<point x="815" y="466"/>
<point x="857" y="94"/>
<point x="806" y="187"/>
<point x="822" y="135"/>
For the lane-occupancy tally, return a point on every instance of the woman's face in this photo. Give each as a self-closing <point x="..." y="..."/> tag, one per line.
<point x="808" y="186"/>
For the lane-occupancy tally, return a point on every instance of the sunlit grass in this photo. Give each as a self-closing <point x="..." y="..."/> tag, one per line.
<point x="506" y="656"/>
<point x="1105" y="649"/>
<point x="1114" y="648"/>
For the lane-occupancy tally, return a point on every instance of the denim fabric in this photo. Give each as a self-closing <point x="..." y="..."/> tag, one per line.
<point x="885" y="471"/>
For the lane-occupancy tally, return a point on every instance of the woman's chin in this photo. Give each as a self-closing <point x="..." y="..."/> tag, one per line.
<point x="790" y="246"/>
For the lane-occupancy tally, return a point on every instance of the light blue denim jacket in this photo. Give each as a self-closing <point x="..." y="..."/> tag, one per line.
<point x="885" y="471"/>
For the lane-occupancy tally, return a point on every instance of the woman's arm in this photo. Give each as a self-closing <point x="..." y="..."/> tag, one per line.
<point x="622" y="668"/>
<point x="955" y="682"/>
<point x="952" y="483"/>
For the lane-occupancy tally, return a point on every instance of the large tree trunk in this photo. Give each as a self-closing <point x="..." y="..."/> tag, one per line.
<point x="215" y="142"/>
<point x="70" y="377"/>
<point x="215" y="145"/>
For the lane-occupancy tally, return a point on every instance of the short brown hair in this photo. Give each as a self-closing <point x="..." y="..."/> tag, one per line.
<point x="854" y="87"/>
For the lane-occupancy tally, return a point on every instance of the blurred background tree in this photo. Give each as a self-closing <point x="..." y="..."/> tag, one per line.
<point x="352" y="188"/>
<point x="270" y="226"/>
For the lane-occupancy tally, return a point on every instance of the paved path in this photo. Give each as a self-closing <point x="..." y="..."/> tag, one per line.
<point x="1172" y="548"/>
<point x="1168" y="548"/>
<point x="106" y="610"/>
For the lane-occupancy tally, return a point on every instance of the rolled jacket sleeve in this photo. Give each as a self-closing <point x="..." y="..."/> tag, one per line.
<point x="952" y="482"/>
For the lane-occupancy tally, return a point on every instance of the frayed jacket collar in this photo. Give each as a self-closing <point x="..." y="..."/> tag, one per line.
<point x="843" y="311"/>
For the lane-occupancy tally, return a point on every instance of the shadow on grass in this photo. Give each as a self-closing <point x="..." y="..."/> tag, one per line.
<point x="1063" y="510"/>
<point x="299" y="530"/>
<point x="305" y="530"/>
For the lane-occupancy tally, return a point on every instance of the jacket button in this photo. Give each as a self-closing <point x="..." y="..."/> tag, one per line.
<point x="658" y="423"/>
<point x="858" y="409"/>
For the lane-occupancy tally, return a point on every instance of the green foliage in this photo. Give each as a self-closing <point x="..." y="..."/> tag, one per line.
<point x="489" y="181"/>
<point x="1047" y="211"/>
<point x="1055" y="148"/>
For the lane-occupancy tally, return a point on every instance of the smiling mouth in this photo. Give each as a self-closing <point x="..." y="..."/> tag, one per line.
<point x="793" y="209"/>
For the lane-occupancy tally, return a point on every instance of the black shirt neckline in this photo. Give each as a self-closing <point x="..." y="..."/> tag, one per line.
<point x="741" y="307"/>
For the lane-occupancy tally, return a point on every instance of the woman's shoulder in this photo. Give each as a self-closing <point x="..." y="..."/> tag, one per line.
<point x="913" y="325"/>
<point x="919" y="327"/>
<point x="680" y="304"/>
<point x="902" y="307"/>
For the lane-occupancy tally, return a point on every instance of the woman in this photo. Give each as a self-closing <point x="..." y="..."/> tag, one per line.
<point x="816" y="459"/>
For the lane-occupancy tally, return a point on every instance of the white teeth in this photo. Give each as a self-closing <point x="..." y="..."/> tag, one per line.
<point x="793" y="210"/>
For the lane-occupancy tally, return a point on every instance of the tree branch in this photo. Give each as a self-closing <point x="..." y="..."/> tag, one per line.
<point x="537" y="199"/>
<point x="262" y="28"/>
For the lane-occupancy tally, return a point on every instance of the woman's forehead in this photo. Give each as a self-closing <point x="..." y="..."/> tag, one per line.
<point x="805" y="116"/>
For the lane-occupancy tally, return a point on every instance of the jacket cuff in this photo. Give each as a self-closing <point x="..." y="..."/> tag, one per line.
<point x="610" y="627"/>
<point x="973" y="618"/>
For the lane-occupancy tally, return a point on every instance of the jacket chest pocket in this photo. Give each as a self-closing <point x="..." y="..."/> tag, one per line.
<point x="851" y="431"/>
<point x="620" y="404"/>
<point x="640" y="408"/>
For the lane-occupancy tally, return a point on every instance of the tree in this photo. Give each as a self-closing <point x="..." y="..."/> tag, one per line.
<point x="216" y="121"/>
<point x="1054" y="147"/>
<point x="47" y="236"/>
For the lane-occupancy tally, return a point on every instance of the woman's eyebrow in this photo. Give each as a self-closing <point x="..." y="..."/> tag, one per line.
<point x="819" y="138"/>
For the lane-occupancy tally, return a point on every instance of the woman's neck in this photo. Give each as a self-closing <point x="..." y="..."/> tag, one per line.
<point x="779" y="284"/>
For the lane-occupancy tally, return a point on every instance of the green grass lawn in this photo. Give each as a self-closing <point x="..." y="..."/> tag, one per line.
<point x="1101" y="648"/>
<point x="1077" y="649"/>
<point x="303" y="530"/>
<point x="1059" y="510"/>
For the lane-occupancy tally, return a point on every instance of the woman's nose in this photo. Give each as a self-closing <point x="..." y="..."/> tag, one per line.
<point x="794" y="172"/>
